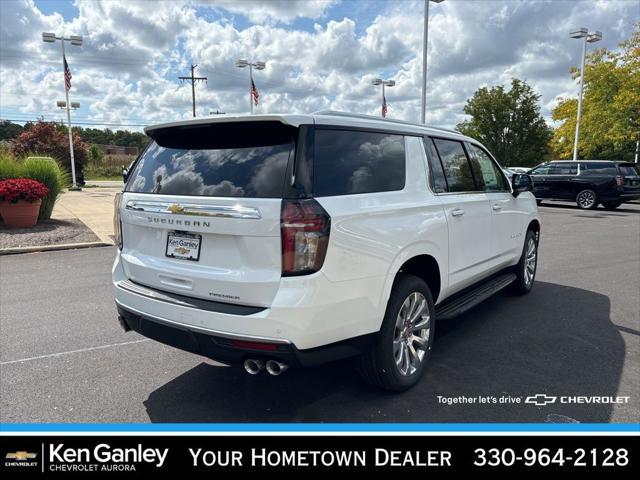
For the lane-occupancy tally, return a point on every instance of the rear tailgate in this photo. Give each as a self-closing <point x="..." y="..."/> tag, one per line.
<point x="631" y="175"/>
<point x="201" y="212"/>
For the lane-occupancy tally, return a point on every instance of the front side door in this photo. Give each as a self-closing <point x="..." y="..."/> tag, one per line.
<point x="541" y="181"/>
<point x="507" y="217"/>
<point x="468" y="213"/>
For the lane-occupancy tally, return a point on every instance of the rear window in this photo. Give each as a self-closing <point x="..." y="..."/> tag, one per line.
<point x="347" y="162"/>
<point x="224" y="160"/>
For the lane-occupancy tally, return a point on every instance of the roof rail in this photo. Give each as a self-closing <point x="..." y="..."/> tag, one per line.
<point x="337" y="113"/>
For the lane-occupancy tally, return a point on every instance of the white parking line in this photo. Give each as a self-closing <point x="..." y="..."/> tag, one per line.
<point x="81" y="350"/>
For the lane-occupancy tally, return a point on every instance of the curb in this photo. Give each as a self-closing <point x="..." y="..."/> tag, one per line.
<point x="50" y="248"/>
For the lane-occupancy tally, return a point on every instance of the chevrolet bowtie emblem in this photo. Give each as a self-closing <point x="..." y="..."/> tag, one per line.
<point x="182" y="250"/>
<point x="540" y="399"/>
<point x="175" y="208"/>
<point x="20" y="455"/>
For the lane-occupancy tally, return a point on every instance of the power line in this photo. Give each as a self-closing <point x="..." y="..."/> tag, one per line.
<point x="193" y="79"/>
<point x="114" y="124"/>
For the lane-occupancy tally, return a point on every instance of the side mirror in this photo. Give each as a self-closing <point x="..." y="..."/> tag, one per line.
<point x="125" y="173"/>
<point x="521" y="182"/>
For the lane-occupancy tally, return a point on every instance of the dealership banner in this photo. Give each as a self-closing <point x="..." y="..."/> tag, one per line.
<point x="53" y="456"/>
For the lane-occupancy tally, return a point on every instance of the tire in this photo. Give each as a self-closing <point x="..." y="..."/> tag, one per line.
<point x="611" y="205"/>
<point x="587" y="199"/>
<point x="527" y="266"/>
<point x="379" y="366"/>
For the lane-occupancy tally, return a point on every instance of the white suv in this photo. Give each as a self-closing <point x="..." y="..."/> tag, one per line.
<point x="292" y="240"/>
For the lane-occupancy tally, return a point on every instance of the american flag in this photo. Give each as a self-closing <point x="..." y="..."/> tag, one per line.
<point x="254" y="93"/>
<point x="67" y="75"/>
<point x="384" y="106"/>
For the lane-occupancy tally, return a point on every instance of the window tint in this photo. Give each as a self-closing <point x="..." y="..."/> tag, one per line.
<point x="492" y="177"/>
<point x="220" y="161"/>
<point x="438" y="180"/>
<point x="541" y="170"/>
<point x="599" y="168"/>
<point x="563" y="168"/>
<point x="456" y="166"/>
<point x="348" y="162"/>
<point x="628" y="170"/>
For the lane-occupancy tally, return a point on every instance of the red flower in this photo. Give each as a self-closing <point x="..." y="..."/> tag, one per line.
<point x="14" y="189"/>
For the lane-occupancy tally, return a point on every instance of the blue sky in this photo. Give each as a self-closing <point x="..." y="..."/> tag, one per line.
<point x="320" y="54"/>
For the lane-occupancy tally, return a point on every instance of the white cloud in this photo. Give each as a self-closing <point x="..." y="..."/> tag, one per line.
<point x="126" y="70"/>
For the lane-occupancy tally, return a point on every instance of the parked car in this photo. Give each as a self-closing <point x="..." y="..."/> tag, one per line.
<point x="292" y="240"/>
<point x="587" y="182"/>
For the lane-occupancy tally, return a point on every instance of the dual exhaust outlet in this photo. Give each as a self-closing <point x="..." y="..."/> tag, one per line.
<point x="254" y="366"/>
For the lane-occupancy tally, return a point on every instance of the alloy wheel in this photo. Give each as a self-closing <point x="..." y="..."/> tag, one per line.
<point x="586" y="199"/>
<point x="411" y="335"/>
<point x="530" y="260"/>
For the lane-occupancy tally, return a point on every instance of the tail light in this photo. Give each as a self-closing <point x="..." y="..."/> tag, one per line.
<point x="117" y="223"/>
<point x="620" y="180"/>
<point x="305" y="227"/>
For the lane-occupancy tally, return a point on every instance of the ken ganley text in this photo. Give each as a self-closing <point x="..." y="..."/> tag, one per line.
<point x="262" y="457"/>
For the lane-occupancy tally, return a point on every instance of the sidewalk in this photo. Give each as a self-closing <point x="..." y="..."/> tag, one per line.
<point x="93" y="207"/>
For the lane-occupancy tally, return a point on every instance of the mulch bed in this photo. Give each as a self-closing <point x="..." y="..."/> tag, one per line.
<point x="48" y="232"/>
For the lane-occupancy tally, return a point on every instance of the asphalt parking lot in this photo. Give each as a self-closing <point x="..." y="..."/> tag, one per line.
<point x="64" y="357"/>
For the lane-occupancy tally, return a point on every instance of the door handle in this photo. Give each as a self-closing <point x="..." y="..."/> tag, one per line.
<point x="457" y="212"/>
<point x="496" y="207"/>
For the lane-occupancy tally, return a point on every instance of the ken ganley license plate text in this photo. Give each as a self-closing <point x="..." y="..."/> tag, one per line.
<point x="183" y="245"/>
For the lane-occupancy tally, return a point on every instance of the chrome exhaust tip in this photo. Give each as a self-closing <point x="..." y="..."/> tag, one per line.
<point x="253" y="366"/>
<point x="275" y="368"/>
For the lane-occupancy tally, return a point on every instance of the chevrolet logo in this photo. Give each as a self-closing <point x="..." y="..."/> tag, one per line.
<point x="182" y="250"/>
<point x="20" y="455"/>
<point x="540" y="400"/>
<point x="175" y="208"/>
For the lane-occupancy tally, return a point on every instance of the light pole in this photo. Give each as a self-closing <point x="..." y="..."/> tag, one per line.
<point x="74" y="40"/>
<point x="590" y="37"/>
<point x="253" y="91"/>
<point x="384" y="83"/>
<point x="425" y="38"/>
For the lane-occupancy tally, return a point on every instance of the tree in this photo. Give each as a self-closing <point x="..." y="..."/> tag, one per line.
<point x="509" y="123"/>
<point x="610" y="120"/>
<point x="43" y="138"/>
<point x="8" y="130"/>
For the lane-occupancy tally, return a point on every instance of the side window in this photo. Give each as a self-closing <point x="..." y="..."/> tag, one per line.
<point x="541" y="170"/>
<point x="491" y="175"/>
<point x="456" y="165"/>
<point x="563" y="169"/>
<point x="436" y="172"/>
<point x="347" y="162"/>
<point x="598" y="168"/>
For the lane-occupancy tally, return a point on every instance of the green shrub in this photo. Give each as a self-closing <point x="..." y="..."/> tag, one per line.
<point x="9" y="167"/>
<point x="43" y="169"/>
<point x="47" y="171"/>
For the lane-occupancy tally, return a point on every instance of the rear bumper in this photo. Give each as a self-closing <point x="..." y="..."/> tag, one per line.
<point x="627" y="197"/>
<point x="221" y="347"/>
<point x="311" y="319"/>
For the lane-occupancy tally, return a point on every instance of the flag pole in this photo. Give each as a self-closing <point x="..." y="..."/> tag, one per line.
<point x="74" y="186"/>
<point x="251" y="88"/>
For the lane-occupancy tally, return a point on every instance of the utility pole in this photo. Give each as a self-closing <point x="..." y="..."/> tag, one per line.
<point x="193" y="79"/>
<point x="425" y="41"/>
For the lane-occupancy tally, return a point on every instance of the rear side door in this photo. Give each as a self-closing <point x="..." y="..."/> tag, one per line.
<point x="201" y="211"/>
<point x="507" y="216"/>
<point x="467" y="211"/>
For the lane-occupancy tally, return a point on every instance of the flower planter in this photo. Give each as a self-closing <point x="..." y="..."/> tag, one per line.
<point x="21" y="214"/>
